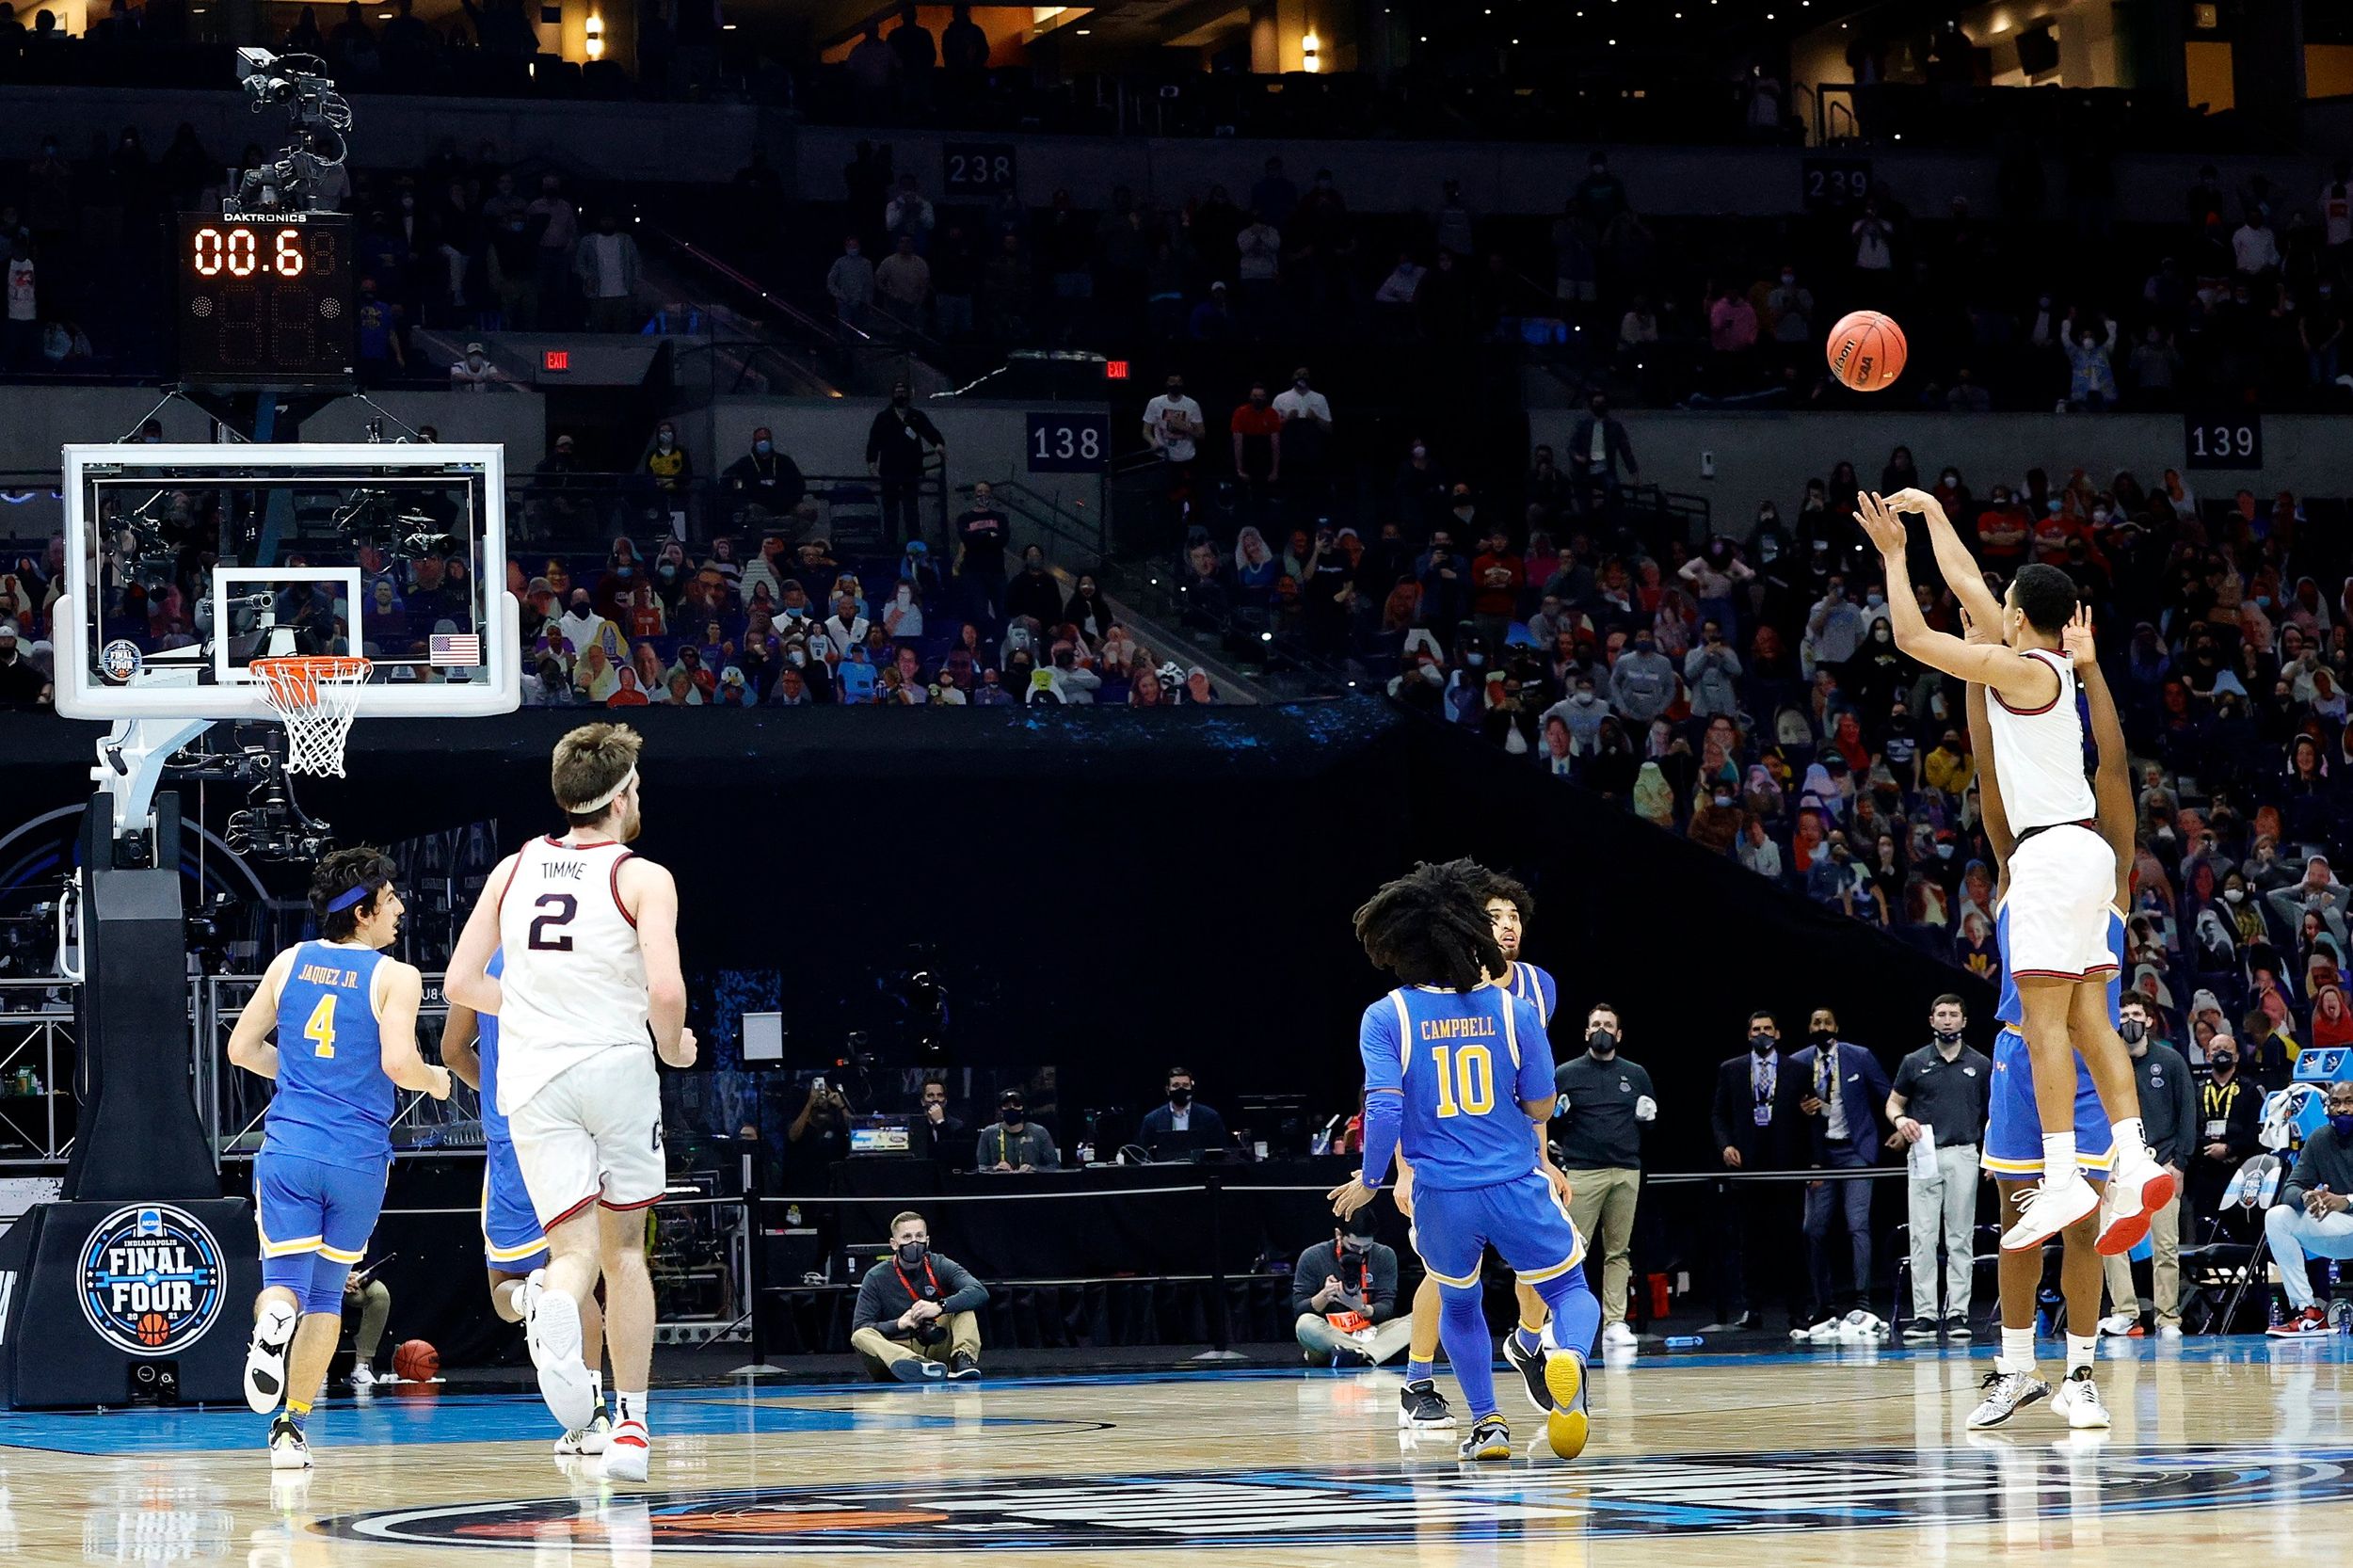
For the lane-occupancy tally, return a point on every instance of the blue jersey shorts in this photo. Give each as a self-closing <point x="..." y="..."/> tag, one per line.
<point x="2013" y="1128"/>
<point x="308" y="1206"/>
<point x="512" y="1241"/>
<point x="1521" y="1219"/>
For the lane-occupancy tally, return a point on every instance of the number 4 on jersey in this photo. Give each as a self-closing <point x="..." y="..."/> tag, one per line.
<point x="320" y="1031"/>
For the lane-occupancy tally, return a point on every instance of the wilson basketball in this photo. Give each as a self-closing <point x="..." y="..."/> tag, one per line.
<point x="154" y="1328"/>
<point x="416" y="1361"/>
<point x="1867" y="350"/>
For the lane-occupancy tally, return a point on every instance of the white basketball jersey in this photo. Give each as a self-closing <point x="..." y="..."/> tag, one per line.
<point x="575" y="979"/>
<point x="2039" y="753"/>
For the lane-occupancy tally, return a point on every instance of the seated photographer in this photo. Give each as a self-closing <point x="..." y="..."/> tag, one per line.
<point x="1353" y="1278"/>
<point x="2314" y="1217"/>
<point x="913" y="1306"/>
<point x="1015" y="1143"/>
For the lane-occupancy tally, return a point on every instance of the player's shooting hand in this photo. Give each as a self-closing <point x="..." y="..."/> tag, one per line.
<point x="1885" y="529"/>
<point x="2077" y="640"/>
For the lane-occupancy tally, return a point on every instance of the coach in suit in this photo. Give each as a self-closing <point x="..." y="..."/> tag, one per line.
<point x="1758" y="1127"/>
<point x="1844" y="1090"/>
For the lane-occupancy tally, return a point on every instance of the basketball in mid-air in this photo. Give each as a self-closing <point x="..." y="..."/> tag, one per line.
<point x="1867" y="350"/>
<point x="416" y="1361"/>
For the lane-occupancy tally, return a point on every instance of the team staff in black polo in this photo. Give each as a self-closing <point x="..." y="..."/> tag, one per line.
<point x="1604" y="1100"/>
<point x="1940" y="1100"/>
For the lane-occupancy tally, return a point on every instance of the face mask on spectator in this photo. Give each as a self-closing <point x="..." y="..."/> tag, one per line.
<point x="1180" y="1098"/>
<point x="1822" y="1036"/>
<point x="2234" y="895"/>
<point x="1602" y="1042"/>
<point x="2341" y="1125"/>
<point x="2131" y="1031"/>
<point x="911" y="1254"/>
<point x="1364" y="1243"/>
<point x="1762" y="1042"/>
<point x="1011" y="1116"/>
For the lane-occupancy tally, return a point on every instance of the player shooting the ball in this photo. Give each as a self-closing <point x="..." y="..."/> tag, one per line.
<point x="2063" y="870"/>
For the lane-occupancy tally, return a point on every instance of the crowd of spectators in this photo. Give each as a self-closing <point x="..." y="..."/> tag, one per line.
<point x="2037" y="308"/>
<point x="760" y="611"/>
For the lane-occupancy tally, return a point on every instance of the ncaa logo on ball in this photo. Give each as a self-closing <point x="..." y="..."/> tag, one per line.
<point x="119" y="660"/>
<point x="151" y="1279"/>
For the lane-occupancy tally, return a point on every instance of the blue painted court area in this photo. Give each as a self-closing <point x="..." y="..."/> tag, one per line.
<point x="473" y="1418"/>
<point x="797" y="1409"/>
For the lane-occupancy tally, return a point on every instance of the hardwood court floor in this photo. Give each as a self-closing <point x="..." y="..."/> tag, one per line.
<point x="1819" y="1458"/>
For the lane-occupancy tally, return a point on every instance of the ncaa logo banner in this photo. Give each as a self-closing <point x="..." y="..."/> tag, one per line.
<point x="151" y="1281"/>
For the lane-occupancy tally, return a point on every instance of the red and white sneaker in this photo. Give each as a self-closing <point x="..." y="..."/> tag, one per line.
<point x="626" y="1451"/>
<point x="2309" y="1322"/>
<point x="2134" y="1194"/>
<point x="2048" y="1209"/>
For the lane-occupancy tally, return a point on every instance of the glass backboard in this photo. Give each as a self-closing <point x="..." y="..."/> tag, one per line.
<point x="185" y="564"/>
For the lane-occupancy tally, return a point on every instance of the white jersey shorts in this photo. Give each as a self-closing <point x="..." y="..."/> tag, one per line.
<point x="2063" y="884"/>
<point x="593" y="1134"/>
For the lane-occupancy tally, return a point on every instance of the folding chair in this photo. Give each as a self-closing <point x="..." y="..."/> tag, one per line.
<point x="2221" y="1270"/>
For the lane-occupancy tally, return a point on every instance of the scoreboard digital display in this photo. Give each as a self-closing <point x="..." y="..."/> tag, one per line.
<point x="266" y="302"/>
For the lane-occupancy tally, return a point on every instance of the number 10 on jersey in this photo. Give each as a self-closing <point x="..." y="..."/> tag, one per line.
<point x="1466" y="1079"/>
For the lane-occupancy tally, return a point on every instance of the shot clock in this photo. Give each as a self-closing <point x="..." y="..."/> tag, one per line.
<point x="266" y="300"/>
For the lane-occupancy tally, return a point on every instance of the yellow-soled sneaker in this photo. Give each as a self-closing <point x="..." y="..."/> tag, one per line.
<point x="1568" y="1426"/>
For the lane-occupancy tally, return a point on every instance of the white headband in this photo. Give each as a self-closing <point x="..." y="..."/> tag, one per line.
<point x="605" y="799"/>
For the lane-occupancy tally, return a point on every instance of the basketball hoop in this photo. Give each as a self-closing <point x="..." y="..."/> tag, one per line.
<point x="316" y="696"/>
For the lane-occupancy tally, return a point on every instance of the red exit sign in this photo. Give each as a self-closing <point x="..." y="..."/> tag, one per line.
<point x="556" y="359"/>
<point x="1114" y="370"/>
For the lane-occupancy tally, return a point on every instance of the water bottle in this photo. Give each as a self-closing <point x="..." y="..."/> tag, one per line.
<point x="1685" y="1341"/>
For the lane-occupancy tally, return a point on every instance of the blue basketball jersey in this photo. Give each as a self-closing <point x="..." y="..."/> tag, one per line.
<point x="1463" y="1060"/>
<point x="487" y="1044"/>
<point x="333" y="1102"/>
<point x="2007" y="1008"/>
<point x="1533" y="984"/>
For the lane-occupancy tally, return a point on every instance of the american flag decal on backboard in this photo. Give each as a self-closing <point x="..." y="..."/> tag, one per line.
<point x="453" y="648"/>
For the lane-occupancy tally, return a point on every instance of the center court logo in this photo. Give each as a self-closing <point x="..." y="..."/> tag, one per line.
<point x="151" y="1279"/>
<point x="1372" y="1505"/>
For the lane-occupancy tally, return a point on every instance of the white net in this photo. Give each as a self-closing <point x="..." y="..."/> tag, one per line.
<point x="316" y="697"/>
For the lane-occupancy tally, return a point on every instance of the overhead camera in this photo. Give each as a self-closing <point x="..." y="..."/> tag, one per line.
<point x="319" y="116"/>
<point x="272" y="826"/>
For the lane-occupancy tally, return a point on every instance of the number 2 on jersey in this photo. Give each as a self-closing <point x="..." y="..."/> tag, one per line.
<point x="561" y="907"/>
<point x="320" y="1031"/>
<point x="1467" y="1082"/>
